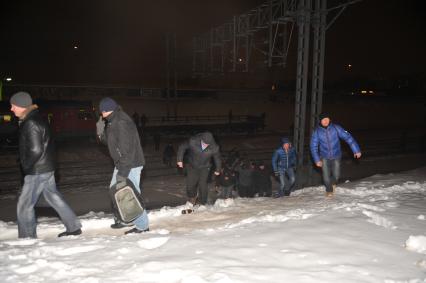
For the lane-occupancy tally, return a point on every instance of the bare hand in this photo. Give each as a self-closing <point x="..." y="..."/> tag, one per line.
<point x="319" y="164"/>
<point x="357" y="155"/>
<point x="217" y="173"/>
<point x="180" y="164"/>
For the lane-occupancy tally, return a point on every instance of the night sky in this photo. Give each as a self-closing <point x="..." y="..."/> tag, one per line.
<point x="123" y="42"/>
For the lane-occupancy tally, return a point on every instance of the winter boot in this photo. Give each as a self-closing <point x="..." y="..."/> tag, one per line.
<point x="279" y="194"/>
<point x="193" y="200"/>
<point x="119" y="225"/>
<point x="136" y="231"/>
<point x="73" y="233"/>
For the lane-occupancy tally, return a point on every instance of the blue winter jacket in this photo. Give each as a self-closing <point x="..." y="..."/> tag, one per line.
<point x="282" y="160"/>
<point x="328" y="142"/>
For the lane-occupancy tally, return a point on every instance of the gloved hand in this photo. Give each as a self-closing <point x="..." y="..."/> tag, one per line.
<point x="100" y="127"/>
<point x="121" y="181"/>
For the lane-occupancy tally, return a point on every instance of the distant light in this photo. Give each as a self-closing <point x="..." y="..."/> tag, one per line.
<point x="363" y="91"/>
<point x="349" y="65"/>
<point x="8" y="79"/>
<point x="7" y="118"/>
<point x="240" y="59"/>
<point x="75" y="47"/>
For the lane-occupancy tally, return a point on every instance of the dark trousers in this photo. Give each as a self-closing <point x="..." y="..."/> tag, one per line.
<point x="196" y="183"/>
<point x="246" y="191"/>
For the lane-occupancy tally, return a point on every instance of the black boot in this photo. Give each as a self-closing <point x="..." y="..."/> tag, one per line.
<point x="66" y="233"/>
<point x="119" y="225"/>
<point x="136" y="231"/>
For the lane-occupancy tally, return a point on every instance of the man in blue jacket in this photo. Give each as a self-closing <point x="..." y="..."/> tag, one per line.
<point x="326" y="151"/>
<point x="283" y="162"/>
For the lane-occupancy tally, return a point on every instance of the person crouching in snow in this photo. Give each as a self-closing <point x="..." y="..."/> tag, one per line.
<point x="262" y="180"/>
<point x="245" y="179"/>
<point x="326" y="151"/>
<point x="283" y="164"/>
<point x="201" y="148"/>
<point x="227" y="182"/>
<point x="122" y="138"/>
<point x="36" y="154"/>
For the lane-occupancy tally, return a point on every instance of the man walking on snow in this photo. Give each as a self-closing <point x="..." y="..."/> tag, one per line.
<point x="201" y="149"/>
<point x="36" y="155"/>
<point x="326" y="151"/>
<point x="283" y="163"/>
<point x="122" y="138"/>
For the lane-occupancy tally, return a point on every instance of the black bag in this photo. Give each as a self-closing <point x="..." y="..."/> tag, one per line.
<point x="127" y="201"/>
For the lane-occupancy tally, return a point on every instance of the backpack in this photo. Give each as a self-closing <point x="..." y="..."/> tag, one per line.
<point x="127" y="201"/>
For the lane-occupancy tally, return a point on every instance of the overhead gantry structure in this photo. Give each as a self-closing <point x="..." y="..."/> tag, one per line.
<point x="261" y="38"/>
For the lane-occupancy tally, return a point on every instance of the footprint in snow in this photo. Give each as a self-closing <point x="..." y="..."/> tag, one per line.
<point x="153" y="243"/>
<point x="78" y="250"/>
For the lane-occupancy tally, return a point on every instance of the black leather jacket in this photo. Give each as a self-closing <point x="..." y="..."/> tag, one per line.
<point x="36" y="148"/>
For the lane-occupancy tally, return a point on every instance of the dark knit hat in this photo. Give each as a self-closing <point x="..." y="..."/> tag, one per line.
<point x="323" y="115"/>
<point x="21" y="99"/>
<point x="285" y="140"/>
<point x="107" y="104"/>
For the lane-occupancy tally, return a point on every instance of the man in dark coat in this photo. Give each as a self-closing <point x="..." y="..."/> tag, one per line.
<point x="168" y="154"/>
<point x="326" y="151"/>
<point x="37" y="158"/>
<point x="121" y="136"/>
<point x="201" y="149"/>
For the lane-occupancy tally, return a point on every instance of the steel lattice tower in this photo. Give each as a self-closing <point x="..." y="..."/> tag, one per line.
<point x="268" y="30"/>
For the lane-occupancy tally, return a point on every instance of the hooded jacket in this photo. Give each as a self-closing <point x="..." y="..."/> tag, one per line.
<point x="325" y="142"/>
<point x="36" y="148"/>
<point x="123" y="142"/>
<point x="283" y="160"/>
<point x="197" y="157"/>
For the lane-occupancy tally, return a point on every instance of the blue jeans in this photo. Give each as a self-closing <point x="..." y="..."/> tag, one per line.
<point x="34" y="186"/>
<point x="141" y="222"/>
<point x="330" y="173"/>
<point x="287" y="182"/>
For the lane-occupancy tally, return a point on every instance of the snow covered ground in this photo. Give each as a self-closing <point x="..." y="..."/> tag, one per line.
<point x="372" y="230"/>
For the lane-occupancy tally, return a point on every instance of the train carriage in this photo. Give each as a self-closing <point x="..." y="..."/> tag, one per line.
<point x="69" y="118"/>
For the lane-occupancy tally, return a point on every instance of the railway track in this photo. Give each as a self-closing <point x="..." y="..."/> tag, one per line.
<point x="87" y="173"/>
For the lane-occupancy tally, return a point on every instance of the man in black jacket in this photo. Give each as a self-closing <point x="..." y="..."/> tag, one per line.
<point x="122" y="138"/>
<point x="201" y="149"/>
<point x="37" y="158"/>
